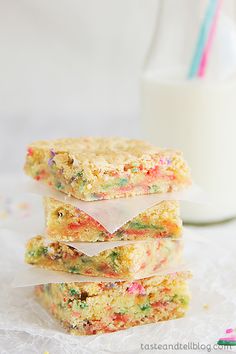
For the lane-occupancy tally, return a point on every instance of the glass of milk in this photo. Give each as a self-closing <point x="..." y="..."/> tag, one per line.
<point x="196" y="116"/>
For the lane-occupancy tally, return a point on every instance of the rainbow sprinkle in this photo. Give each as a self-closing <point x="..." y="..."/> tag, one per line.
<point x="230" y="340"/>
<point x="52" y="154"/>
<point x="136" y="288"/>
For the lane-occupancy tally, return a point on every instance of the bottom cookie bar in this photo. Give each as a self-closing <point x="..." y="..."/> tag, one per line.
<point x="95" y="308"/>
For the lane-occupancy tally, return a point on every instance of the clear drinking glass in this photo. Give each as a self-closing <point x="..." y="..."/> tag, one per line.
<point x="197" y="115"/>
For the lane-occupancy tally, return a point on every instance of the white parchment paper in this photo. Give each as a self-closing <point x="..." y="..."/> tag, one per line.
<point x="114" y="213"/>
<point x="94" y="248"/>
<point x="30" y="275"/>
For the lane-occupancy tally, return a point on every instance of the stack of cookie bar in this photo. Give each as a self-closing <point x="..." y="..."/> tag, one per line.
<point x="94" y="169"/>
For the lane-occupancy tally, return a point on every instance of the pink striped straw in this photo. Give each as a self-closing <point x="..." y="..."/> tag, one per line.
<point x="206" y="51"/>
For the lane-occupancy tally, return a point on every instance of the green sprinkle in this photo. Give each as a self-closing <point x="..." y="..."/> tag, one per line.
<point x="154" y="189"/>
<point x="123" y="182"/>
<point x="44" y="250"/>
<point x="41" y="251"/>
<point x="184" y="300"/>
<point x="59" y="186"/>
<point x="81" y="181"/>
<point x="113" y="255"/>
<point x="80" y="174"/>
<point x="226" y="342"/>
<point x="135" y="169"/>
<point x="73" y="292"/>
<point x="175" y="297"/>
<point x="73" y="270"/>
<point x="139" y="226"/>
<point x="83" y="305"/>
<point x="30" y="254"/>
<point x="145" y="307"/>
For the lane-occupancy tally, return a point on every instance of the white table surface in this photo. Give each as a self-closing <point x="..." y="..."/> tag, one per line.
<point x="24" y="328"/>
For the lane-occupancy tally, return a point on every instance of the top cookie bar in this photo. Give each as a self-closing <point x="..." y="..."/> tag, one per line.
<point x="105" y="168"/>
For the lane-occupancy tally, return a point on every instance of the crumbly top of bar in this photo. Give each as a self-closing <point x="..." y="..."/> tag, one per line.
<point x="106" y="152"/>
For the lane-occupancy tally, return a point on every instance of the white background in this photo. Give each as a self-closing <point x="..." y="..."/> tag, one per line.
<point x="69" y="68"/>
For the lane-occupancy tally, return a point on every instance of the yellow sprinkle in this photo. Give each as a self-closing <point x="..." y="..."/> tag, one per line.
<point x="46" y="353"/>
<point x="206" y="306"/>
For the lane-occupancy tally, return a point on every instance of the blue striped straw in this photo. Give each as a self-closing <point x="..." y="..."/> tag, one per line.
<point x="202" y="38"/>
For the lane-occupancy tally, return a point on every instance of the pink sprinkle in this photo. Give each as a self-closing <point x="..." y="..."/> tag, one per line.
<point x="229" y="330"/>
<point x="136" y="288"/>
<point x="75" y="314"/>
<point x="229" y="339"/>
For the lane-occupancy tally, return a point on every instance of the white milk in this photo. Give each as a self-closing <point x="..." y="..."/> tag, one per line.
<point x="198" y="118"/>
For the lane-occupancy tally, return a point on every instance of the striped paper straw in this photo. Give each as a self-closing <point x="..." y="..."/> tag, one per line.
<point x="202" y="38"/>
<point x="205" y="56"/>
